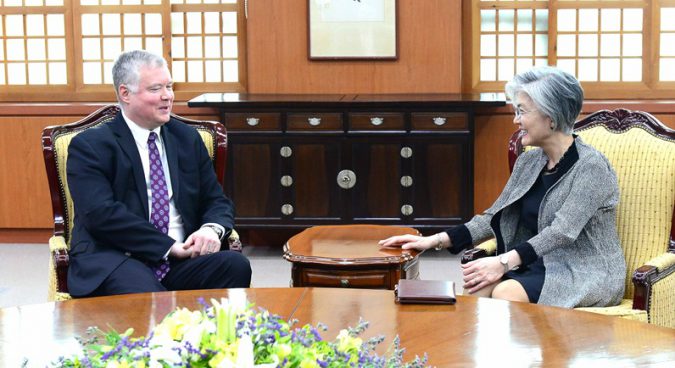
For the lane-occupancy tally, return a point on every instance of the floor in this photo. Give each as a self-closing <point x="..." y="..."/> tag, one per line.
<point x="23" y="270"/>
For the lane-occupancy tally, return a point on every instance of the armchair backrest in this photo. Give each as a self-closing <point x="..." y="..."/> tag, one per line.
<point x="55" y="141"/>
<point x="642" y="151"/>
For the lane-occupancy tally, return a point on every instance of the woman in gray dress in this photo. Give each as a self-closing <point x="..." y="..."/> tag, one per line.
<point x="555" y="220"/>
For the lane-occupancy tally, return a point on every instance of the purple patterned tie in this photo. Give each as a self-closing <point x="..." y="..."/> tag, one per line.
<point x="159" y="214"/>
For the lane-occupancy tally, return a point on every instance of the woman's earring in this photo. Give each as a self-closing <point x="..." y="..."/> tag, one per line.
<point x="552" y="126"/>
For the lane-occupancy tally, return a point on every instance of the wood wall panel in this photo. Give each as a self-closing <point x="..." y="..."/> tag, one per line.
<point x="24" y="192"/>
<point x="429" y="44"/>
<point x="491" y="167"/>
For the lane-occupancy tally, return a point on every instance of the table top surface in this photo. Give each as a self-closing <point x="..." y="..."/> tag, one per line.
<point x="348" y="244"/>
<point x="474" y="332"/>
<point x="395" y="99"/>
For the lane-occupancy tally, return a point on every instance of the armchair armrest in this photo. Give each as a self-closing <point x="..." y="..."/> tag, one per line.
<point x="484" y="249"/>
<point x="654" y="283"/>
<point x="58" y="265"/>
<point x="233" y="241"/>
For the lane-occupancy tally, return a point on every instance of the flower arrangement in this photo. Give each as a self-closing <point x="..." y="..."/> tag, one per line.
<point x="225" y="334"/>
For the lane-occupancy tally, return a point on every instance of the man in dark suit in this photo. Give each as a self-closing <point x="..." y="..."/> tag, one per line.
<point x="150" y="214"/>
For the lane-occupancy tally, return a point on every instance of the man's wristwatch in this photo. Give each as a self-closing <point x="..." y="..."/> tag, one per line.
<point x="504" y="260"/>
<point x="216" y="229"/>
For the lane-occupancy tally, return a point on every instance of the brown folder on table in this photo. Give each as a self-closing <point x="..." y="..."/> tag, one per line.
<point x="425" y="292"/>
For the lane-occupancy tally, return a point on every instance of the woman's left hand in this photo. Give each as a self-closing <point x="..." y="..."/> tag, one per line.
<point x="481" y="273"/>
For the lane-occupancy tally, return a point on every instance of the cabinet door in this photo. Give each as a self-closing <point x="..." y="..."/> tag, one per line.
<point x="253" y="178"/>
<point x="442" y="176"/>
<point x="313" y="168"/>
<point x="376" y="162"/>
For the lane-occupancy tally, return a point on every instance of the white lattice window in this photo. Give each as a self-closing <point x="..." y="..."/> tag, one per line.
<point x="69" y="46"/>
<point x="32" y="43"/>
<point x="606" y="44"/>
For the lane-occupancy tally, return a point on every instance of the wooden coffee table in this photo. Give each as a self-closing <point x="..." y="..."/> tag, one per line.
<point x="349" y="256"/>
<point x="475" y="332"/>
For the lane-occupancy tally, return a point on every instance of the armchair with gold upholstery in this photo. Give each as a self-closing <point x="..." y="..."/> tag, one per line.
<point x="642" y="151"/>
<point x="55" y="141"/>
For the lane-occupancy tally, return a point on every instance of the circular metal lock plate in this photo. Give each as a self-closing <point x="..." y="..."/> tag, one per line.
<point x="346" y="179"/>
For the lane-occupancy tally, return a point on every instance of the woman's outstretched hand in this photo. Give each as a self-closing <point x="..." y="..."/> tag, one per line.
<point x="410" y="242"/>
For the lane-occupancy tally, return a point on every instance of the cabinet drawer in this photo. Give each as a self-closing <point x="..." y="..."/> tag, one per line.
<point x="440" y="121"/>
<point x="376" y="121"/>
<point x="371" y="279"/>
<point x="253" y="121"/>
<point x="314" y="122"/>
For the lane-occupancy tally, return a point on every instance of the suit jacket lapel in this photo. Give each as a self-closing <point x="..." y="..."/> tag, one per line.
<point x="126" y="141"/>
<point x="171" y="147"/>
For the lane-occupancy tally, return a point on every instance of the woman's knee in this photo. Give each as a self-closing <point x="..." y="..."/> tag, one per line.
<point x="510" y="290"/>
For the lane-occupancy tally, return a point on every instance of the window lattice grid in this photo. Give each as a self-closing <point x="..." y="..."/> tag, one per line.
<point x="512" y="41"/>
<point x="32" y="46"/>
<point x="203" y="1"/>
<point x="19" y="3"/>
<point x="204" y="47"/>
<point x="667" y="44"/>
<point x="106" y="35"/>
<point x="119" y="2"/>
<point x="601" y="44"/>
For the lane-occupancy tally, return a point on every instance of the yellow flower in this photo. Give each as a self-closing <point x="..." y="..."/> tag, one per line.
<point x="347" y="343"/>
<point x="175" y="325"/>
<point x="282" y="351"/>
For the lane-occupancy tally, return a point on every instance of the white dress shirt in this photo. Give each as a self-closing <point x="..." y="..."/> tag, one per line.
<point x="141" y="135"/>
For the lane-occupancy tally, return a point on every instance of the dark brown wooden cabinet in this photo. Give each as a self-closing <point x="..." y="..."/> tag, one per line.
<point x="296" y="161"/>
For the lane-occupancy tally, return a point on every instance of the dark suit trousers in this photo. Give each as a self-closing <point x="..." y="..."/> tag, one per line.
<point x="224" y="269"/>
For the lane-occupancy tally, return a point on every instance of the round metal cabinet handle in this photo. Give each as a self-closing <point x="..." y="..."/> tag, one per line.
<point x="287" y="209"/>
<point x="406" y="181"/>
<point x="344" y="283"/>
<point x="406" y="210"/>
<point x="439" y="120"/>
<point x="285" y="151"/>
<point x="313" y="121"/>
<point x="252" y="121"/>
<point x="286" y="180"/>
<point x="406" y="152"/>
<point x="346" y="179"/>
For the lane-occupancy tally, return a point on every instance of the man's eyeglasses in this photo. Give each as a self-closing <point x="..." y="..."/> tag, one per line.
<point x="520" y="112"/>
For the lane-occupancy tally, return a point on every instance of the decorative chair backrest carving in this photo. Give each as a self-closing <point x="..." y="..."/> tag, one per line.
<point x="55" y="141"/>
<point x="642" y="151"/>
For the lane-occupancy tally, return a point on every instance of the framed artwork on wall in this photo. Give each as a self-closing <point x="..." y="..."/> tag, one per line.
<point x="352" y="29"/>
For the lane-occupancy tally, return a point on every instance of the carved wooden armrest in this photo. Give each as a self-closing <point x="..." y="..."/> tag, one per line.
<point x="59" y="253"/>
<point x="646" y="276"/>
<point x="233" y="241"/>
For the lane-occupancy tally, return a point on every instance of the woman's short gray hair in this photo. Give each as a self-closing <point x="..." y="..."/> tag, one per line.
<point x="556" y="93"/>
<point x="128" y="64"/>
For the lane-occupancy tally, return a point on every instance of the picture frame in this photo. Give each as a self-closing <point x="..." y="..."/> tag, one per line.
<point x="352" y="29"/>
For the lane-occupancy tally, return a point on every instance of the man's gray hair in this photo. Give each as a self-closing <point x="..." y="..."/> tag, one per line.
<point x="128" y="64"/>
<point x="557" y="94"/>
